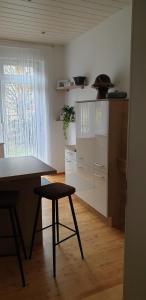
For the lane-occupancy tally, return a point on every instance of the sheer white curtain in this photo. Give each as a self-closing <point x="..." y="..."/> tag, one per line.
<point x="22" y="102"/>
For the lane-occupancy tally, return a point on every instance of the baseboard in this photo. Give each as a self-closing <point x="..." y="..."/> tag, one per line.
<point x="58" y="173"/>
<point x="94" y="211"/>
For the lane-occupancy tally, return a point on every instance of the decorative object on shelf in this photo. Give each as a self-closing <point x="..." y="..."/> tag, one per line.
<point x="74" y="83"/>
<point x="63" y="83"/>
<point x="80" y="80"/>
<point x="68" y="116"/>
<point x="102" y="84"/>
<point x="116" y="94"/>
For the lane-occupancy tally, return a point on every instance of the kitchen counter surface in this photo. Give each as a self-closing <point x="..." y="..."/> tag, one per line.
<point x="22" y="174"/>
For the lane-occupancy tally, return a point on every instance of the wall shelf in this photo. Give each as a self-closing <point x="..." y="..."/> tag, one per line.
<point x="71" y="87"/>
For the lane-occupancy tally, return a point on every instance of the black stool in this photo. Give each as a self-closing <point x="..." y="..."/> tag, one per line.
<point x="55" y="191"/>
<point x="9" y="200"/>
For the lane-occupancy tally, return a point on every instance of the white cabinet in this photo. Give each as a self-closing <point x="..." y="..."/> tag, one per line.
<point x="92" y="140"/>
<point x="1" y="150"/>
<point x="99" y="143"/>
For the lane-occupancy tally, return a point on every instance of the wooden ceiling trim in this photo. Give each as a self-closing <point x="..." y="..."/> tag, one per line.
<point x="35" y="34"/>
<point x="61" y="7"/>
<point x="55" y="13"/>
<point x="115" y="3"/>
<point x="53" y="41"/>
<point x="44" y="22"/>
<point x="81" y="3"/>
<point x="49" y="22"/>
<point x="62" y="18"/>
<point x="45" y="27"/>
<point x="5" y="25"/>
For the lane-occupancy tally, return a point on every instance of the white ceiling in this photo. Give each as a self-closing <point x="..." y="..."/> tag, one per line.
<point x="53" y="21"/>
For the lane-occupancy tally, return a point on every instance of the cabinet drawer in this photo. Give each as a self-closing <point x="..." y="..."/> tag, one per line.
<point x="96" y="196"/>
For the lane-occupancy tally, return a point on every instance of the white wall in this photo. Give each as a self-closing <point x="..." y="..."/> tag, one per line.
<point x="54" y="70"/>
<point x="104" y="49"/>
<point x="135" y="241"/>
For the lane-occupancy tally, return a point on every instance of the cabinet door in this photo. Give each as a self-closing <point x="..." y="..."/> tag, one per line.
<point x="92" y="152"/>
<point x="101" y="117"/>
<point x="85" y="119"/>
<point x="100" y="151"/>
<point x="85" y="151"/>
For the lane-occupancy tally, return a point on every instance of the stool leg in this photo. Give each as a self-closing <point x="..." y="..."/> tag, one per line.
<point x="20" y="233"/>
<point x="76" y="226"/>
<point x="34" y="226"/>
<point x="17" y="246"/>
<point x="57" y="220"/>
<point x="53" y="238"/>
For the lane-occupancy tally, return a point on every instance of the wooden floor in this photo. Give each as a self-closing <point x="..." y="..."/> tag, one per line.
<point x="98" y="277"/>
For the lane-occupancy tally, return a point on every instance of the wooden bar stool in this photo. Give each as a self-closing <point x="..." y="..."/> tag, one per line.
<point x="54" y="192"/>
<point x="8" y="201"/>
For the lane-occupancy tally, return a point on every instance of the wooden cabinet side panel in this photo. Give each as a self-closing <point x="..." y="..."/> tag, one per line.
<point x="117" y="148"/>
<point x="1" y="150"/>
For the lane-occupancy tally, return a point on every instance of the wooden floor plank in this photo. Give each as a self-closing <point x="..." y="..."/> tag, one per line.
<point x="98" y="277"/>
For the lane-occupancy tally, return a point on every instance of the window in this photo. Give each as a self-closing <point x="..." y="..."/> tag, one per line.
<point x="22" y="107"/>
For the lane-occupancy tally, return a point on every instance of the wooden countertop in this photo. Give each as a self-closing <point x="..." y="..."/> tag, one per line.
<point x="20" y="167"/>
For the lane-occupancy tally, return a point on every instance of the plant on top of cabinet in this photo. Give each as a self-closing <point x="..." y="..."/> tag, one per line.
<point x="68" y="116"/>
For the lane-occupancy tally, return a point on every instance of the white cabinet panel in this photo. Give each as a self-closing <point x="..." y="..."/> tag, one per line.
<point x="96" y="196"/>
<point x="85" y="120"/>
<point x="101" y="150"/>
<point x="89" y="175"/>
<point x="85" y="151"/>
<point x="92" y="153"/>
<point x="101" y="117"/>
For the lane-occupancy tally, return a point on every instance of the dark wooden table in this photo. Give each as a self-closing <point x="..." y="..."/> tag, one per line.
<point x="22" y="174"/>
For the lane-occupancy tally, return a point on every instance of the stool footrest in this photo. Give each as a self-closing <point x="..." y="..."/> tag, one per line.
<point x="65" y="239"/>
<point x="67" y="227"/>
<point x="38" y="230"/>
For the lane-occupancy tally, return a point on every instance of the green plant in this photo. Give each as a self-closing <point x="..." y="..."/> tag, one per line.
<point x="68" y="116"/>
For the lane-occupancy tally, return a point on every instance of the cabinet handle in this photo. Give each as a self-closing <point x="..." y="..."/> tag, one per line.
<point x="98" y="165"/>
<point x="99" y="176"/>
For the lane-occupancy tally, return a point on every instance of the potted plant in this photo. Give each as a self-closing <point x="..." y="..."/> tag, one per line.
<point x="68" y="115"/>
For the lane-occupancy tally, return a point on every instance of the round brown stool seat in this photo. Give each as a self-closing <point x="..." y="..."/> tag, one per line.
<point x="54" y="192"/>
<point x="9" y="200"/>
